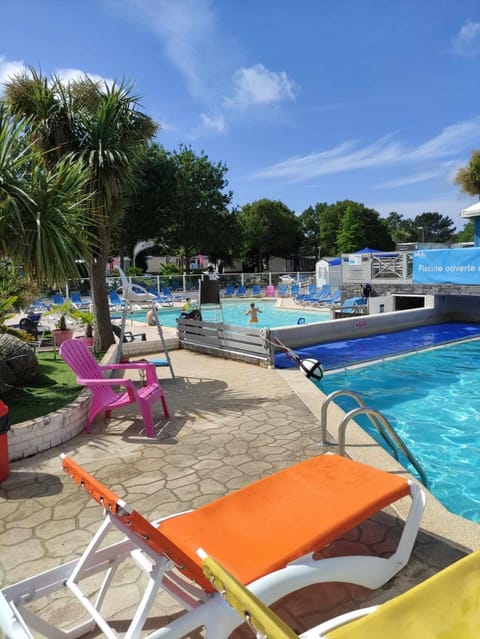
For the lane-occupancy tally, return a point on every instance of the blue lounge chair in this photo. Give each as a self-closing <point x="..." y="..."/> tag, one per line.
<point x="80" y="304"/>
<point x="164" y="300"/>
<point x="229" y="291"/>
<point x="336" y="297"/>
<point x="322" y="294"/>
<point x="58" y="299"/>
<point x="282" y="290"/>
<point x="116" y="302"/>
<point x="171" y="296"/>
<point x="257" y="290"/>
<point x="295" y="290"/>
<point x="241" y="291"/>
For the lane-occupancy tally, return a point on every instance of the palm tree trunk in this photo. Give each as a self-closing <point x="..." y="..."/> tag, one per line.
<point x="103" y="336"/>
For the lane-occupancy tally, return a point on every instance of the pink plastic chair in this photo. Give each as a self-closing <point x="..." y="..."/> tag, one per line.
<point x="270" y="291"/>
<point x="104" y="397"/>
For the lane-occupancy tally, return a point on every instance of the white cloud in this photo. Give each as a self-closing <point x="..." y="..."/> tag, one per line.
<point x="449" y="140"/>
<point x="411" y="179"/>
<point x="348" y="156"/>
<point x="467" y="41"/>
<point x="215" y="123"/>
<point x="188" y="32"/>
<point x="9" y="68"/>
<point x="258" y="85"/>
<point x="73" y="75"/>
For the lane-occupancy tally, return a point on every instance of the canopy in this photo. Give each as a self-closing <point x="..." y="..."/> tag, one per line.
<point x="471" y="211"/>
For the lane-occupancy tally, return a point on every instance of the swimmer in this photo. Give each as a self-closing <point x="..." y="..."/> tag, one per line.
<point x="253" y="312"/>
<point x="151" y="321"/>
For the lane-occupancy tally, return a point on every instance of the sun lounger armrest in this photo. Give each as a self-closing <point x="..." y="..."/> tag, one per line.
<point x="148" y="367"/>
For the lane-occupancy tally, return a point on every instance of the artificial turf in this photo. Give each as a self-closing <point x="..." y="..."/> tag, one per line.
<point x="53" y="387"/>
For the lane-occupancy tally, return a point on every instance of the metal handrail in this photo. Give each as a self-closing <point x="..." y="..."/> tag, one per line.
<point x="381" y="423"/>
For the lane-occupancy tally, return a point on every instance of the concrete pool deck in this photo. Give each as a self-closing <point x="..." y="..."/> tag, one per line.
<point x="230" y="424"/>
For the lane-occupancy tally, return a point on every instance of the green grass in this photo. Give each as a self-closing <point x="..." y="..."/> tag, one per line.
<point x="53" y="387"/>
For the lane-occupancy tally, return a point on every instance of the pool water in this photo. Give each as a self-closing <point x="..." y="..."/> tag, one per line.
<point x="432" y="399"/>
<point x="234" y="314"/>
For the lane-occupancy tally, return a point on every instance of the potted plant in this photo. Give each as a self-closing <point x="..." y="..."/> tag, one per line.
<point x="86" y="319"/>
<point x="61" y="332"/>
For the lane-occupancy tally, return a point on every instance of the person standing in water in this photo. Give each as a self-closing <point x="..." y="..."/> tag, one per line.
<point x="253" y="312"/>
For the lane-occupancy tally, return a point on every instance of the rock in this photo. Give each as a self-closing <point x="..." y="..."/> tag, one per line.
<point x="18" y="363"/>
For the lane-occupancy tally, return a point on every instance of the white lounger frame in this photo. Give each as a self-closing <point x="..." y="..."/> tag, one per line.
<point x="201" y="609"/>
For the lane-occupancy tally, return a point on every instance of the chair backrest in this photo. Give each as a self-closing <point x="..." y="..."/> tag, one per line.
<point x="256" y="289"/>
<point x="114" y="297"/>
<point x="312" y="289"/>
<point x="241" y="290"/>
<point x="282" y="289"/>
<point x="81" y="361"/>
<point x="29" y="326"/>
<point x="58" y="298"/>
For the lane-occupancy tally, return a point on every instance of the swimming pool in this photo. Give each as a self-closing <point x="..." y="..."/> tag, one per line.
<point x="234" y="314"/>
<point x="432" y="399"/>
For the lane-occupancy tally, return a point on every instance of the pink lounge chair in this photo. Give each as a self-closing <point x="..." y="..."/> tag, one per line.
<point x="270" y="291"/>
<point x="104" y="397"/>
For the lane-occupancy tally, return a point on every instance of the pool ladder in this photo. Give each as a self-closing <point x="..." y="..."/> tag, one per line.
<point x="379" y="421"/>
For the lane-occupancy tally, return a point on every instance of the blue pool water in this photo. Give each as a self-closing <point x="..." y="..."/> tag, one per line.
<point x="234" y="314"/>
<point x="432" y="399"/>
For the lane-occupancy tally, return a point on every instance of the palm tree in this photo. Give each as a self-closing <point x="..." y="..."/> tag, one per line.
<point x="41" y="221"/>
<point x="468" y="177"/>
<point x="102" y="127"/>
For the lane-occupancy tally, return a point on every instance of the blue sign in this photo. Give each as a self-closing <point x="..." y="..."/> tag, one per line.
<point x="447" y="266"/>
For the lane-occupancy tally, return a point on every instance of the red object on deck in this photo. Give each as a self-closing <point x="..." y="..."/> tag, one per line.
<point x="4" y="469"/>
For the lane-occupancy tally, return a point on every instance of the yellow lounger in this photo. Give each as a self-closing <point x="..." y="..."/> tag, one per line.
<point x="445" y="606"/>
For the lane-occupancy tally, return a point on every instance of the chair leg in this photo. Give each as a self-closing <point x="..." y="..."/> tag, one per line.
<point x="146" y="410"/>
<point x="165" y="407"/>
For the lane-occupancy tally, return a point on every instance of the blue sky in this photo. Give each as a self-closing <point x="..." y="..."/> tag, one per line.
<point x="310" y="101"/>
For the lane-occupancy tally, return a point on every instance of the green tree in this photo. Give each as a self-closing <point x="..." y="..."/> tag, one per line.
<point x="149" y="213"/>
<point x="467" y="233"/>
<point x="198" y="205"/>
<point x="269" y="229"/>
<point x="370" y="228"/>
<point x="468" y="177"/>
<point x="399" y="228"/>
<point x="433" y="227"/>
<point x="352" y="233"/>
<point x="102" y="127"/>
<point x="310" y="227"/>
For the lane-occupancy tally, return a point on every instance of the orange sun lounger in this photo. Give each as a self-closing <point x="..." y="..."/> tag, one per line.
<point x="265" y="534"/>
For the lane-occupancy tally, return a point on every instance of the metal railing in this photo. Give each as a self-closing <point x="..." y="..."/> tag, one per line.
<point x="379" y="421"/>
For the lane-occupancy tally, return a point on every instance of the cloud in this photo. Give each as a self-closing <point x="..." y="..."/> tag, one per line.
<point x="467" y="41"/>
<point x="187" y="30"/>
<point x="215" y="123"/>
<point x="411" y="179"/>
<point x="349" y="156"/>
<point x="258" y="85"/>
<point x="73" y="75"/>
<point x="9" y="68"/>
<point x="191" y="36"/>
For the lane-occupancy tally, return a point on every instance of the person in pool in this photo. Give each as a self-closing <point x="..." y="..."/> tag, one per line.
<point x="151" y="321"/>
<point x="253" y="312"/>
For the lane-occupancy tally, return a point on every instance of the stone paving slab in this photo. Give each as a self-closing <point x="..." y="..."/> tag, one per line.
<point x="231" y="423"/>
